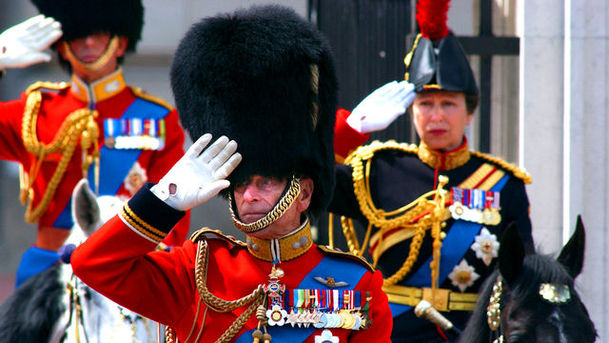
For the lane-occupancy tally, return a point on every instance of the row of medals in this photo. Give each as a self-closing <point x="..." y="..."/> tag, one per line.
<point x="487" y="216"/>
<point x="342" y="319"/>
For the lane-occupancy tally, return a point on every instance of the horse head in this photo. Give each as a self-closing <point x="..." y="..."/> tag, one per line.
<point x="531" y="297"/>
<point x="89" y="316"/>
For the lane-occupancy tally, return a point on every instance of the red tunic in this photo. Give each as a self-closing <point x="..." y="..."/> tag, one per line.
<point x="118" y="261"/>
<point x="112" y="98"/>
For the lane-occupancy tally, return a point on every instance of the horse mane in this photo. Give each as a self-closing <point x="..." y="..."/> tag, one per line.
<point x="524" y="290"/>
<point x="29" y="314"/>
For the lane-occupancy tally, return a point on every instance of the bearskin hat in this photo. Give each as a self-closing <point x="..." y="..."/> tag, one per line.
<point x="264" y="77"/>
<point x="437" y="60"/>
<point x="80" y="18"/>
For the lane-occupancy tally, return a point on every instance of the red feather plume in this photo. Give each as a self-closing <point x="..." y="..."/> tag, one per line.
<point x="431" y="17"/>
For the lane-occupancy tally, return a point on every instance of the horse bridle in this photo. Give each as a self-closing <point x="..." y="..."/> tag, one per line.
<point x="553" y="293"/>
<point x="76" y="312"/>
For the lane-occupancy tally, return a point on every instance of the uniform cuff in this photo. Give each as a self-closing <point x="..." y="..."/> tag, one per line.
<point x="346" y="139"/>
<point x="149" y="216"/>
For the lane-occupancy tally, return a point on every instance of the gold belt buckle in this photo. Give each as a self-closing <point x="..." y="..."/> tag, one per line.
<point x="438" y="298"/>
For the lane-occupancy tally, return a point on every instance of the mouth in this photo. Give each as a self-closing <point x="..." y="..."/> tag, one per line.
<point x="250" y="217"/>
<point x="88" y="59"/>
<point x="437" y="132"/>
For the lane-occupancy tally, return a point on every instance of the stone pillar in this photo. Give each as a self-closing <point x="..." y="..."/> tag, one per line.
<point x="586" y="145"/>
<point x="564" y="138"/>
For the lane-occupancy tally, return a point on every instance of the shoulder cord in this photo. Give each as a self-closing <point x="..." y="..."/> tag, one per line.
<point x="79" y="124"/>
<point x="419" y="215"/>
<point x="256" y="298"/>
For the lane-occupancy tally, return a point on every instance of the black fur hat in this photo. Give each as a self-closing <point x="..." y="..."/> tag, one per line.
<point x="265" y="78"/>
<point x="80" y="18"/>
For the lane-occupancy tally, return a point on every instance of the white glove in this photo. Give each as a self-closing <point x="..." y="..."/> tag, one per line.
<point x="382" y="107"/>
<point x="22" y="44"/>
<point x="200" y="174"/>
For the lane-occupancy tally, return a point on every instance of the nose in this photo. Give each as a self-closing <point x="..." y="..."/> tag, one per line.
<point x="436" y="113"/>
<point x="251" y="193"/>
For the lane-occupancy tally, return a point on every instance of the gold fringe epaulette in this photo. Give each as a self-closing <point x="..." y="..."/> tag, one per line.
<point x="365" y="152"/>
<point x="56" y="86"/>
<point x="330" y="251"/>
<point x="140" y="93"/>
<point x="515" y="170"/>
<point x="205" y="232"/>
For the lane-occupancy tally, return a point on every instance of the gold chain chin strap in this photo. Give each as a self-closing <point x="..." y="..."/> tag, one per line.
<point x="100" y="62"/>
<point x="79" y="124"/>
<point x="256" y="298"/>
<point x="427" y="211"/>
<point x="280" y="208"/>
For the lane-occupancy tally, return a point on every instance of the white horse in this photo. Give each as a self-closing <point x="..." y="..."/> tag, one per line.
<point x="56" y="307"/>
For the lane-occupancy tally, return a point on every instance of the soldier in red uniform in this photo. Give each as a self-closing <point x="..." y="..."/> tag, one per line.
<point x="265" y="78"/>
<point x="96" y="126"/>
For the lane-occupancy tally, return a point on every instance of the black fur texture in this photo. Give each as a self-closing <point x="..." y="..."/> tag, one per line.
<point x="80" y="18"/>
<point x="247" y="75"/>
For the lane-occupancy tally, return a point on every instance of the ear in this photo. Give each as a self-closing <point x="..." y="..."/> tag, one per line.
<point x="468" y="119"/>
<point x="85" y="211"/>
<point x="306" y="193"/>
<point x="511" y="254"/>
<point x="123" y="42"/>
<point x="572" y="254"/>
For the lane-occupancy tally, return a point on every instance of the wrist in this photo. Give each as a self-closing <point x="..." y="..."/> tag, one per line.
<point x="354" y="121"/>
<point x="166" y="192"/>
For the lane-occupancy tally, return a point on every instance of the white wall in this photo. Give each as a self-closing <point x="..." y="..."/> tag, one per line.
<point x="564" y="132"/>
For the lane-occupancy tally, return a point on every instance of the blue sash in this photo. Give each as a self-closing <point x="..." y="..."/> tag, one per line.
<point x="454" y="246"/>
<point x="114" y="164"/>
<point x="350" y="272"/>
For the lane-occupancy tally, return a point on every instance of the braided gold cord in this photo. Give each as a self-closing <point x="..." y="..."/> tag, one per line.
<point x="256" y="298"/>
<point x="350" y="235"/>
<point x="170" y="335"/>
<point x="425" y="212"/>
<point x="282" y="205"/>
<point x="79" y="122"/>
<point x="413" y="254"/>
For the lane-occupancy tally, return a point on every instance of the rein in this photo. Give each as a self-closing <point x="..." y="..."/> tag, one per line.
<point x="76" y="316"/>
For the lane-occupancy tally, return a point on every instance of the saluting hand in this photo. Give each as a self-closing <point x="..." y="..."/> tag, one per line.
<point x="382" y="107"/>
<point x="22" y="44"/>
<point x="200" y="174"/>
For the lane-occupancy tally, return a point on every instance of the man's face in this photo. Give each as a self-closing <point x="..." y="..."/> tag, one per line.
<point x="257" y="197"/>
<point x="89" y="49"/>
<point x="440" y="118"/>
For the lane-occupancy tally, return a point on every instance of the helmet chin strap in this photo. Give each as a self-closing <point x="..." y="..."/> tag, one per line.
<point x="97" y="64"/>
<point x="280" y="208"/>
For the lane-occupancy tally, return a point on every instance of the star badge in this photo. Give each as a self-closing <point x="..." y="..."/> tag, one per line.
<point x="463" y="276"/>
<point x="486" y="246"/>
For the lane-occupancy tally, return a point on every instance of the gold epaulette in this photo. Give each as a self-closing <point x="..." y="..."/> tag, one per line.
<point x="47" y="85"/>
<point x="204" y="233"/>
<point x="515" y="170"/>
<point x="140" y="93"/>
<point x="330" y="251"/>
<point x="365" y="152"/>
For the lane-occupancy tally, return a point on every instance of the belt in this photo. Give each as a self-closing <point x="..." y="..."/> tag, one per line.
<point x="444" y="300"/>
